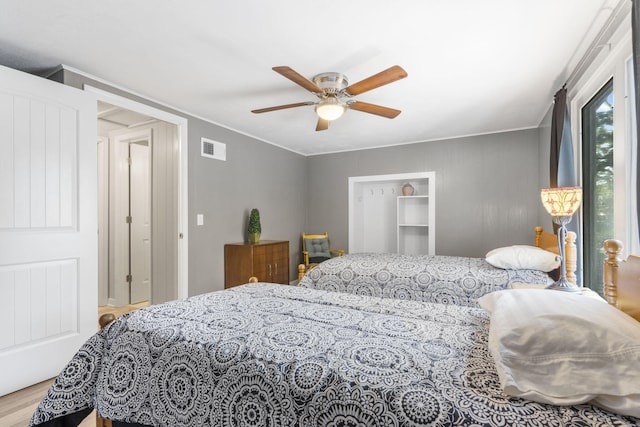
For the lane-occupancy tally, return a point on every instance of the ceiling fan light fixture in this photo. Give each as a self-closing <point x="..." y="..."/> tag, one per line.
<point x="334" y="93"/>
<point x="330" y="108"/>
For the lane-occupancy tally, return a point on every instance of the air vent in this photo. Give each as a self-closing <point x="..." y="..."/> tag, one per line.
<point x="213" y="149"/>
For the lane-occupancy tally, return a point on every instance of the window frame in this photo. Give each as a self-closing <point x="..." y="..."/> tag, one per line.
<point x="610" y="63"/>
<point x="589" y="184"/>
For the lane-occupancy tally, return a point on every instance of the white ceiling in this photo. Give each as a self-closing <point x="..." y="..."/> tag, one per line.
<point x="473" y="66"/>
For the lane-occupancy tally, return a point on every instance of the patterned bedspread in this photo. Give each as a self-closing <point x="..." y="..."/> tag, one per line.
<point x="430" y="278"/>
<point x="275" y="355"/>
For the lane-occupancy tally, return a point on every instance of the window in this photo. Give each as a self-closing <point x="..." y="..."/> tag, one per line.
<point x="597" y="179"/>
<point x="601" y="99"/>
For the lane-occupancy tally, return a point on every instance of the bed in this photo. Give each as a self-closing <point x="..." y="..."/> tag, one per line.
<point x="442" y="279"/>
<point x="476" y="267"/>
<point x="277" y="355"/>
<point x="431" y="278"/>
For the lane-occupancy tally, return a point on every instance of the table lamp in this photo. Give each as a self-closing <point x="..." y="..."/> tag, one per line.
<point x="562" y="203"/>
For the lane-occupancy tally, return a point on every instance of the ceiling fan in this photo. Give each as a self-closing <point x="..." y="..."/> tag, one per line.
<point x="334" y="93"/>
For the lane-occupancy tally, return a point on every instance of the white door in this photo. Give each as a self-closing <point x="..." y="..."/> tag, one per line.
<point x="48" y="226"/>
<point x="130" y="216"/>
<point x="103" y="221"/>
<point x="140" y="208"/>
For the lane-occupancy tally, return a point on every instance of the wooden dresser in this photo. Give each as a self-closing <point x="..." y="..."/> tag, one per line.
<point x="267" y="260"/>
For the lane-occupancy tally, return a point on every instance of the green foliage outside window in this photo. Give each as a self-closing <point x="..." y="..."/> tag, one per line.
<point x="597" y="117"/>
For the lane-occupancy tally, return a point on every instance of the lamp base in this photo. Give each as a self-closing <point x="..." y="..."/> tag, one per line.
<point x="563" y="285"/>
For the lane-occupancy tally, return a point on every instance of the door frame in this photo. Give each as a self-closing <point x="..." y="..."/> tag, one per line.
<point x="183" y="199"/>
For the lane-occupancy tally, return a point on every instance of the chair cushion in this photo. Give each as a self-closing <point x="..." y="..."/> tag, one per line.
<point x="317" y="248"/>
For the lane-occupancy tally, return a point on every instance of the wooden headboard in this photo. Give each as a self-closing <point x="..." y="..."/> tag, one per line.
<point x="622" y="279"/>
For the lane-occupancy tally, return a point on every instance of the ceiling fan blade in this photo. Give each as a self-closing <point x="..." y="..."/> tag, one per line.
<point x="298" y="79"/>
<point x="322" y="124"/>
<point x="378" y="110"/>
<point x="282" y="107"/>
<point x="387" y="76"/>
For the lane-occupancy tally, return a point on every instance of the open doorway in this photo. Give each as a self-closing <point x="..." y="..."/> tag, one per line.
<point x="139" y="215"/>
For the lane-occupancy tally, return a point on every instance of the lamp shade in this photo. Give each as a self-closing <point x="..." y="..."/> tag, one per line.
<point x="330" y="108"/>
<point x="563" y="201"/>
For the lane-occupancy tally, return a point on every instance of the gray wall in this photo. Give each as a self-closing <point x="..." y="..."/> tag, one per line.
<point x="487" y="188"/>
<point x="255" y="174"/>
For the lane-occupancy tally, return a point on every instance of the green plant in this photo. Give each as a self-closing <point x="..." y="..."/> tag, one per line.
<point x="254" y="222"/>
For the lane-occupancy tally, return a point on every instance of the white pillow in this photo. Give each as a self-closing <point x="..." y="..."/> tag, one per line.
<point x="522" y="257"/>
<point x="564" y="348"/>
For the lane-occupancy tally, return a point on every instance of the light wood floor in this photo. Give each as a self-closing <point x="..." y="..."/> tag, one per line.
<point x="119" y="311"/>
<point x="17" y="408"/>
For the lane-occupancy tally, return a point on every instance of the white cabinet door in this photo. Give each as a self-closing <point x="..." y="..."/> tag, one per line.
<point x="48" y="226"/>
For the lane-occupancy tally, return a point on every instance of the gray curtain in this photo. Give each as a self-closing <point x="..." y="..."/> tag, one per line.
<point x="557" y="127"/>
<point x="562" y="171"/>
<point x="561" y="165"/>
<point x="635" y="36"/>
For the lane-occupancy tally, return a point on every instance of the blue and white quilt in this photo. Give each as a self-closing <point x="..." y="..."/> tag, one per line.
<point x="430" y="278"/>
<point x="276" y="355"/>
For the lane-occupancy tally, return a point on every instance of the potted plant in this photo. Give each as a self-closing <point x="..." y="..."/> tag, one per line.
<point x="254" y="228"/>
